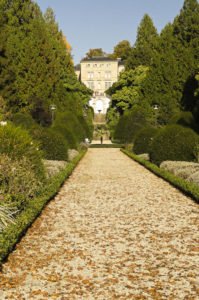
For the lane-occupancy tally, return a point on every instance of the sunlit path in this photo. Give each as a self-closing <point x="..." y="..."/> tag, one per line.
<point x="115" y="231"/>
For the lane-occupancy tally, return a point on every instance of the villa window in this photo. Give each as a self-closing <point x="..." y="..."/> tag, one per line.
<point x="90" y="75"/>
<point x="108" y="84"/>
<point x="107" y="75"/>
<point x="91" y="85"/>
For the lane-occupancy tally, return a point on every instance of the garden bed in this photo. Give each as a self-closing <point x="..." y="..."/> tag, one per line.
<point x="188" y="188"/>
<point x="13" y="233"/>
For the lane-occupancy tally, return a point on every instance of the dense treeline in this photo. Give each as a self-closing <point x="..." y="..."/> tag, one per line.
<point x="36" y="68"/>
<point x="161" y="82"/>
<point x="41" y="100"/>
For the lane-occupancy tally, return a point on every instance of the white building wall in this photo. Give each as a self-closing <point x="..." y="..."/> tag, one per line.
<point x="99" y="75"/>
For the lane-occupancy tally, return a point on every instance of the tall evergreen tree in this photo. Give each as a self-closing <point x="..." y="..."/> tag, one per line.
<point x="168" y="75"/>
<point x="186" y="30"/>
<point x="186" y="25"/>
<point x="35" y="62"/>
<point x="145" y="47"/>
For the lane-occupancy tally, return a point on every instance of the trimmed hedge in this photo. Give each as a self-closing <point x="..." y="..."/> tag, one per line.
<point x="70" y="127"/>
<point x="106" y="146"/>
<point x="53" y="145"/>
<point x="13" y="233"/>
<point x="16" y="143"/>
<point x="143" y="140"/>
<point x="174" y="142"/>
<point x="189" y="189"/>
<point x="129" y="124"/>
<point x="18" y="182"/>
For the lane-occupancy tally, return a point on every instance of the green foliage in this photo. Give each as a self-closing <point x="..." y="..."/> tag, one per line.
<point x="174" y="142"/>
<point x="13" y="233"/>
<point x="95" y="52"/>
<point x="143" y="140"/>
<point x="186" y="25"/>
<point x="24" y="120"/>
<point x="87" y="127"/>
<point x="64" y="124"/>
<point x="18" y="181"/>
<point x="53" y="145"/>
<point x="122" y="50"/>
<point x="127" y="91"/>
<point x="17" y="144"/>
<point x="112" y="117"/>
<point x="146" y="45"/>
<point x="129" y="124"/>
<point x="184" y="118"/>
<point x="36" y="68"/>
<point x="188" y="188"/>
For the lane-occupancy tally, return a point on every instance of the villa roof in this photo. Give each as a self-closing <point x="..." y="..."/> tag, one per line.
<point x="77" y="67"/>
<point x="98" y="58"/>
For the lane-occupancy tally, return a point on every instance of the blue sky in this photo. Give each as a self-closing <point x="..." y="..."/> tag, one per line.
<point x="103" y="23"/>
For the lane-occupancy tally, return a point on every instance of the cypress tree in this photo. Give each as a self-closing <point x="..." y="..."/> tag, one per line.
<point x="186" y="30"/>
<point x="145" y="47"/>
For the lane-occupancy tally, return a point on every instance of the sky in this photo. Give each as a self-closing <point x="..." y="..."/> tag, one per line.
<point x="103" y="23"/>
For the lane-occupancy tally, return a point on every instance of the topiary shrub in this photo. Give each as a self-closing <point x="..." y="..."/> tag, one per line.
<point x="174" y="142"/>
<point x="16" y="143"/>
<point x="70" y="120"/>
<point x="129" y="124"/>
<point x="87" y="128"/>
<point x="67" y="135"/>
<point x="67" y="124"/>
<point x="53" y="145"/>
<point x="143" y="140"/>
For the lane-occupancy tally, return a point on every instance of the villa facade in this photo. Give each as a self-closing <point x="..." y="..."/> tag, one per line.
<point x="99" y="74"/>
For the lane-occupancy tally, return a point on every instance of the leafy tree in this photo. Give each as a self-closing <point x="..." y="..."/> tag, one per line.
<point x="127" y="91"/>
<point x="95" y="52"/>
<point x="36" y="64"/>
<point x="186" y="30"/>
<point x="122" y="50"/>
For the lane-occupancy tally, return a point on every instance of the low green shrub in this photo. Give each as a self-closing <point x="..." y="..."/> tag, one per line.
<point x="174" y="142"/>
<point x="53" y="145"/>
<point x="24" y="120"/>
<point x="18" y="182"/>
<point x="67" y="135"/>
<point x="143" y="140"/>
<point x="16" y="143"/>
<point x="70" y="127"/>
<point x="129" y="124"/>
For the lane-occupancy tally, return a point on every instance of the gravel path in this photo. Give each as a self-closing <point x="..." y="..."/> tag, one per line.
<point x="114" y="231"/>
